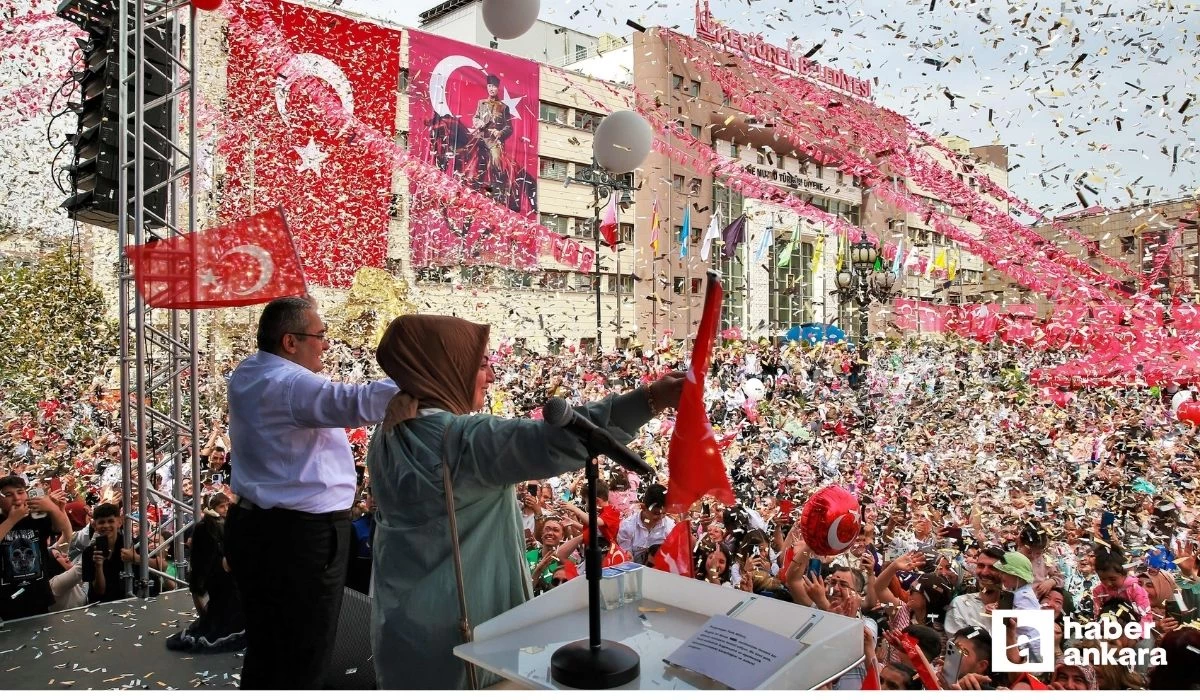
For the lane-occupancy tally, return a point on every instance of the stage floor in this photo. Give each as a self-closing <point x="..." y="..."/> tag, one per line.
<point x="110" y="645"/>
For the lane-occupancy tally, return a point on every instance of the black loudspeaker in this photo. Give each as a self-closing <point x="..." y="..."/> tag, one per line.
<point x="353" y="667"/>
<point x="95" y="168"/>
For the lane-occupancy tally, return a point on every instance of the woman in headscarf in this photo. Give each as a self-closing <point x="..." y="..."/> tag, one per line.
<point x="442" y="364"/>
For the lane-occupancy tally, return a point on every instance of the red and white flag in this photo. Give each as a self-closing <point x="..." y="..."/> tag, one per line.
<point x="251" y="261"/>
<point x="609" y="225"/>
<point x="694" y="458"/>
<point x="307" y="92"/>
<point x="675" y="553"/>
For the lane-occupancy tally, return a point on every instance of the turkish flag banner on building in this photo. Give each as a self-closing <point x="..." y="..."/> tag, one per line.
<point x="285" y="146"/>
<point x="251" y="261"/>
<point x="694" y="459"/>
<point x="675" y="553"/>
<point x="473" y="114"/>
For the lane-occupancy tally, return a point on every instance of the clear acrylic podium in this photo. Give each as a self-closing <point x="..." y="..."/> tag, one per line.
<point x="518" y="644"/>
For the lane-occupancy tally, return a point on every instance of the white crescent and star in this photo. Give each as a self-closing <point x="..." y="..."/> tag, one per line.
<point x="266" y="270"/>
<point x="315" y="65"/>
<point x="311" y="157"/>
<point x="440" y="76"/>
<point x="831" y="538"/>
<point x="266" y="267"/>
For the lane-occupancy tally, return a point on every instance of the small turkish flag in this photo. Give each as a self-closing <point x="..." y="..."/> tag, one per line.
<point x="609" y="225"/>
<point x="694" y="458"/>
<point x="250" y="261"/>
<point x="675" y="553"/>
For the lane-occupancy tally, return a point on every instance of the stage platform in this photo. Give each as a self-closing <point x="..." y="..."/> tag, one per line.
<point x="108" y="646"/>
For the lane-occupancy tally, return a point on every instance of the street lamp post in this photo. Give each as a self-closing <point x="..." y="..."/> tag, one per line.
<point x="858" y="281"/>
<point x="603" y="184"/>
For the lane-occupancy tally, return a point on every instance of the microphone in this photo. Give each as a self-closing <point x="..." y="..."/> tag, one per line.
<point x="558" y="412"/>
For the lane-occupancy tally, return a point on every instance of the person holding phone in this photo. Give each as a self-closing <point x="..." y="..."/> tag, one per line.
<point x="24" y="549"/>
<point x="102" y="564"/>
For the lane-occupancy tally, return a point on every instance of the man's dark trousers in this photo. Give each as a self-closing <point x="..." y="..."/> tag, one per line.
<point x="290" y="568"/>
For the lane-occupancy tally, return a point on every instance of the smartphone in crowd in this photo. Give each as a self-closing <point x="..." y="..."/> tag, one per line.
<point x="814" y="567"/>
<point x="951" y="665"/>
<point x="1175" y="609"/>
<point x="36" y="492"/>
<point x="533" y="489"/>
<point x="1106" y="522"/>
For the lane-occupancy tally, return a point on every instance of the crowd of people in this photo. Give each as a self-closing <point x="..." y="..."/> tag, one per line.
<point x="979" y="493"/>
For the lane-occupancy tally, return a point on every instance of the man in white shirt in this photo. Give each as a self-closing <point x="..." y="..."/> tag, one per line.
<point x="288" y="537"/>
<point x="971" y="609"/>
<point x="647" y="527"/>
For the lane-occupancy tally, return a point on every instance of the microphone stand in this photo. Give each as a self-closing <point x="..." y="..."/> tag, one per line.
<point x="594" y="663"/>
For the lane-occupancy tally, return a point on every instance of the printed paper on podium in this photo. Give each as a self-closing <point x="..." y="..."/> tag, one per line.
<point x="735" y="653"/>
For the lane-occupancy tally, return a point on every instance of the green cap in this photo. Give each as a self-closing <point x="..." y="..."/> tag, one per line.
<point x="1016" y="564"/>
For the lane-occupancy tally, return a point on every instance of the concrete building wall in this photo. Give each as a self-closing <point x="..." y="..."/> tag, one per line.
<point x="544" y="42"/>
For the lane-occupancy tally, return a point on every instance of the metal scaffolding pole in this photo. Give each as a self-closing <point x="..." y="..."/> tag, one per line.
<point x="158" y="360"/>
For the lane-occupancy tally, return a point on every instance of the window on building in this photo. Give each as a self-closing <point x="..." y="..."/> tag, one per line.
<point x="555" y="279"/>
<point x="436" y="275"/>
<point x="694" y="239"/>
<point x="583" y="227"/>
<point x="679" y="285"/>
<point x="475" y="275"/>
<point x="555" y="223"/>
<point x="624" y="282"/>
<point x="781" y="161"/>
<point x="396" y="205"/>
<point x="791" y="296"/>
<point x="587" y="345"/>
<point x="519" y="279"/>
<point x="581" y="52"/>
<point x="697" y="285"/>
<point x="697" y="131"/>
<point x="694" y="88"/>
<point x="1128" y="244"/>
<point x="727" y="203"/>
<point x="403" y="80"/>
<point x="626" y="231"/>
<point x="760" y="156"/>
<point x="553" y="169"/>
<point x="733" y="150"/>
<point x="588" y="121"/>
<point x="733" y="273"/>
<point x="694" y="185"/>
<point x="586" y="281"/>
<point x="676" y="81"/>
<point x="677" y="183"/>
<point x="555" y="114"/>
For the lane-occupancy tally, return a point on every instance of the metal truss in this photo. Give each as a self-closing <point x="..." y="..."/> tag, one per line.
<point x="159" y="373"/>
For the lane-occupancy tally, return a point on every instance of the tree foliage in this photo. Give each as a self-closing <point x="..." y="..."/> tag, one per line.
<point x="53" y="327"/>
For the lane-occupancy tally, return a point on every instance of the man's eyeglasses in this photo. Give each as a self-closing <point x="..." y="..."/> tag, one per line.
<point x="320" y="336"/>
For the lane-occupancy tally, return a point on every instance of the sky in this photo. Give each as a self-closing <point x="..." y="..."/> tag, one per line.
<point x="1095" y="100"/>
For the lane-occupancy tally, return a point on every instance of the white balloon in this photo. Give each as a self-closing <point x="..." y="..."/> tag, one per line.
<point x="754" y="389"/>
<point x="509" y="19"/>
<point x="622" y="141"/>
<point x="1180" y="398"/>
